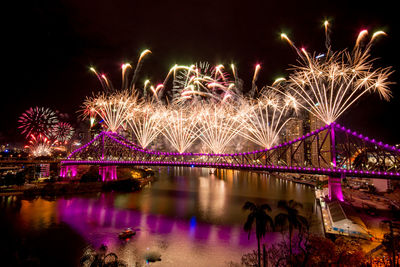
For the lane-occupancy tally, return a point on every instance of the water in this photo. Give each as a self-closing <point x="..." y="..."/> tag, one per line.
<point x="192" y="218"/>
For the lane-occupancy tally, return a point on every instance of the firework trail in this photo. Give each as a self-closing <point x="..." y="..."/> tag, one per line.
<point x="37" y="120"/>
<point x="137" y="69"/>
<point x="329" y="84"/>
<point x="107" y="84"/>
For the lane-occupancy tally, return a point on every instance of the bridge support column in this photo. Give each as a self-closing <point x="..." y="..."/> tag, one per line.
<point x="108" y="173"/>
<point x="71" y="171"/>
<point x="335" y="188"/>
<point x="63" y="171"/>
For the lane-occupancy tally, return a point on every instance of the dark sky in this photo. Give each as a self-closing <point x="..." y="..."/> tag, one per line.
<point x="49" y="46"/>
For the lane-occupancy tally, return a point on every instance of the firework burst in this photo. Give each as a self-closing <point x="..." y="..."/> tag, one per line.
<point x="62" y="132"/>
<point x="37" y="120"/>
<point x="40" y="145"/>
<point x="145" y="121"/>
<point x="328" y="84"/>
<point x="265" y="118"/>
<point x="114" y="108"/>
<point x="219" y="124"/>
<point x="201" y="81"/>
<point x="180" y="127"/>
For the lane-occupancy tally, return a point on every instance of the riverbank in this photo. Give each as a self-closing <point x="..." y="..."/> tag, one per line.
<point x="75" y="187"/>
<point x="294" y="179"/>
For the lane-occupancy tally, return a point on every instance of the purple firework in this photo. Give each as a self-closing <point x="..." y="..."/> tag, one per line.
<point x="37" y="120"/>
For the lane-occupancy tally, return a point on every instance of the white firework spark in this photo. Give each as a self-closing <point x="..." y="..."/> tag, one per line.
<point x="329" y="84"/>
<point x="40" y="145"/>
<point x="219" y="125"/>
<point x="180" y="127"/>
<point x="145" y="121"/>
<point x="114" y="109"/>
<point x="265" y="118"/>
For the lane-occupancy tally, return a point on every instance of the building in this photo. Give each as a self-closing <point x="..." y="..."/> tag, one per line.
<point x="295" y="129"/>
<point x="320" y="156"/>
<point x="344" y="221"/>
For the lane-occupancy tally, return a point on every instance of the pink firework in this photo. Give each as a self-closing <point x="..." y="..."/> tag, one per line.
<point x="62" y="132"/>
<point x="37" y="120"/>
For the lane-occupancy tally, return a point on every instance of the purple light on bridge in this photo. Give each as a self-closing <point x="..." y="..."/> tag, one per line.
<point x="108" y="173"/>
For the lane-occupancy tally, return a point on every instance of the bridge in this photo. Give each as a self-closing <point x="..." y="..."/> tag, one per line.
<point x="331" y="150"/>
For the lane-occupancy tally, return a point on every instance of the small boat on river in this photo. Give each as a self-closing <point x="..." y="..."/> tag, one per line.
<point x="127" y="233"/>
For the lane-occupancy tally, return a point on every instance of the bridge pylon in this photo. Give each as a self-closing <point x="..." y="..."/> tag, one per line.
<point x="335" y="187"/>
<point x="108" y="173"/>
<point x="68" y="171"/>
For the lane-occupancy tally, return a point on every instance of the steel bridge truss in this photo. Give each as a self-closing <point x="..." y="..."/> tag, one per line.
<point x="332" y="150"/>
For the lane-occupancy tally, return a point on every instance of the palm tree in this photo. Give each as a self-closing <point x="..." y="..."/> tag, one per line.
<point x="258" y="215"/>
<point x="291" y="218"/>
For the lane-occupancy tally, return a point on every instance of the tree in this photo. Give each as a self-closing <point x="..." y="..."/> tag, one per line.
<point x="9" y="179"/>
<point x="372" y="189"/>
<point x="290" y="217"/>
<point x="319" y="251"/>
<point x="258" y="216"/>
<point x="20" y="178"/>
<point x="92" y="175"/>
<point x="348" y="252"/>
<point x="391" y="242"/>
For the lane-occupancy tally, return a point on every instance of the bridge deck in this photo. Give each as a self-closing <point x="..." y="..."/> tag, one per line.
<point x="286" y="169"/>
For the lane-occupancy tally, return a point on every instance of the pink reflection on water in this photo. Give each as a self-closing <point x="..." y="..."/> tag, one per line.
<point x="99" y="222"/>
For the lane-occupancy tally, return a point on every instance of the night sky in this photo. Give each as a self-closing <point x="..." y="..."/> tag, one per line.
<point x="49" y="46"/>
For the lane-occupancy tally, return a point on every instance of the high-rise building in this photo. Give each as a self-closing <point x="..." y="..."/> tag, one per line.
<point x="295" y="129"/>
<point x="320" y="149"/>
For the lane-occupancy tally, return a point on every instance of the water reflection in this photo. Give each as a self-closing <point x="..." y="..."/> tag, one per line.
<point x="187" y="215"/>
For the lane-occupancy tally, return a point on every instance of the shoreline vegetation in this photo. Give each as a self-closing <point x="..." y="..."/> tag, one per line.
<point x="88" y="183"/>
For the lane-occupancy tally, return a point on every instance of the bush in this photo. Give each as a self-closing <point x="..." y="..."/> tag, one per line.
<point x="127" y="185"/>
<point x="20" y="178"/>
<point x="92" y="175"/>
<point x="9" y="179"/>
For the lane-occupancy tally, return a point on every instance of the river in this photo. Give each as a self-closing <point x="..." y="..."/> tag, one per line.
<point x="189" y="216"/>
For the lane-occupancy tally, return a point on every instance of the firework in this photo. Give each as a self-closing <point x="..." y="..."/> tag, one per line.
<point x="37" y="120"/>
<point x="201" y="81"/>
<point x="265" y="118"/>
<point x="114" y="109"/>
<point x="125" y="84"/>
<point x="145" y="121"/>
<point x="328" y="84"/>
<point x="180" y="127"/>
<point x="40" y="145"/>
<point x="206" y="107"/>
<point x="62" y="132"/>
<point x="219" y="124"/>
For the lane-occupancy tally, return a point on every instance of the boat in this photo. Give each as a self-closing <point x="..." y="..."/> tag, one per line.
<point x="127" y="233"/>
